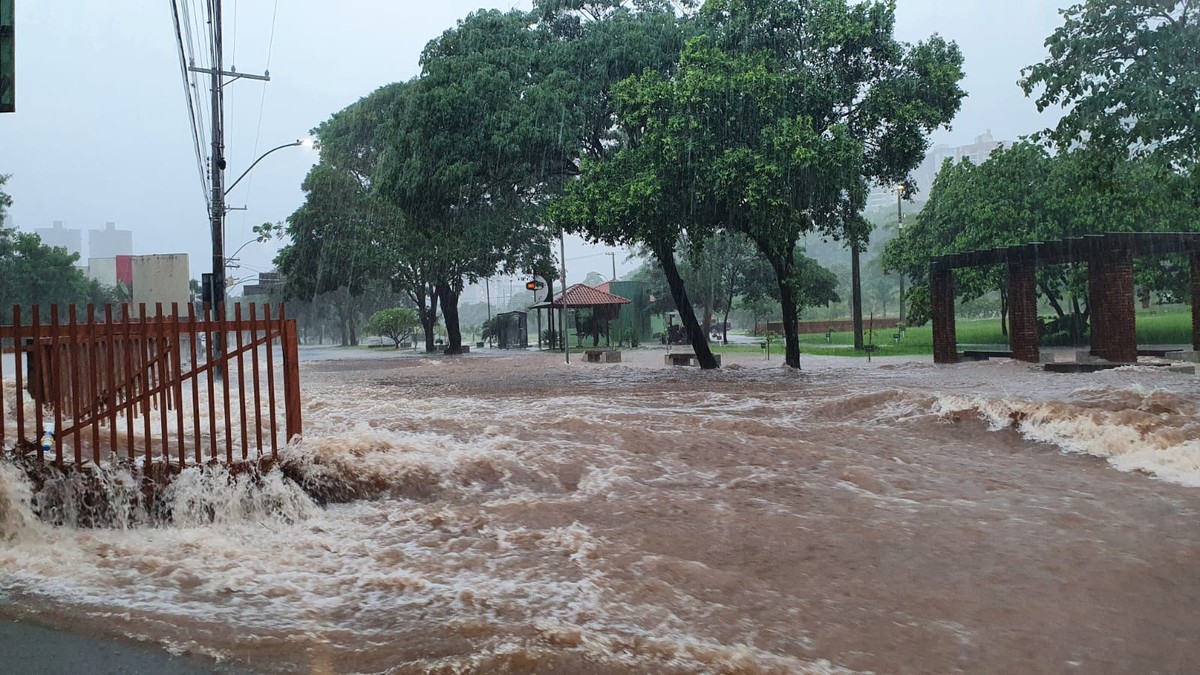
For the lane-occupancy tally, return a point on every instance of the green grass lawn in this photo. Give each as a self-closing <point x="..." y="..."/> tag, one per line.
<point x="1169" y="325"/>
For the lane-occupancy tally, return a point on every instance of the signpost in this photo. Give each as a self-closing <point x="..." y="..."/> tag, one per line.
<point x="8" y="57"/>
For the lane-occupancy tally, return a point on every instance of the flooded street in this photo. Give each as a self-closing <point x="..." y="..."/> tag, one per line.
<point x="513" y="514"/>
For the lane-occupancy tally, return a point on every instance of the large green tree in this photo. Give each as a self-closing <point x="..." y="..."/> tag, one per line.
<point x="355" y="139"/>
<point x="469" y="154"/>
<point x="1128" y="73"/>
<point x="336" y="248"/>
<point x="779" y="118"/>
<point x="717" y="272"/>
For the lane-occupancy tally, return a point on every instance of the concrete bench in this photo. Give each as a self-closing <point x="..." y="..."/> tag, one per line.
<point x="685" y="359"/>
<point x="1162" y="353"/>
<point x="985" y="354"/>
<point x="602" y="355"/>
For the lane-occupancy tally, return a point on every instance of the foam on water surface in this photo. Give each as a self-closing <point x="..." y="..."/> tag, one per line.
<point x="644" y="521"/>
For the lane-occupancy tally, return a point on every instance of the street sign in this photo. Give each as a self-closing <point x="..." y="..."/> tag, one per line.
<point x="8" y="57"/>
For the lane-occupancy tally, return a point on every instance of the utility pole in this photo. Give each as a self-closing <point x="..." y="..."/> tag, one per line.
<point x="900" y="233"/>
<point x="614" y="264"/>
<point x="216" y="168"/>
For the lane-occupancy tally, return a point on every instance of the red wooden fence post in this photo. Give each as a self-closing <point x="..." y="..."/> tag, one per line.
<point x="291" y="380"/>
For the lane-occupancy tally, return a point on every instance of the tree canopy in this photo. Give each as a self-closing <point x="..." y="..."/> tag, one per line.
<point x="1025" y="193"/>
<point x="396" y="324"/>
<point x="1128" y="72"/>
<point x="777" y="118"/>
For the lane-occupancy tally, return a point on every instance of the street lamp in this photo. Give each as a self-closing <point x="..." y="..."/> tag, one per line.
<point x="216" y="288"/>
<point x="304" y="142"/>
<point x="900" y="233"/>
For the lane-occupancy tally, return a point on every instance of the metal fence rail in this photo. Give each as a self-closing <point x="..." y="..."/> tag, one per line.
<point x="166" y="388"/>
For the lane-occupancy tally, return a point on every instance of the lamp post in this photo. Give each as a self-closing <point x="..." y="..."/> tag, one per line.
<point x="900" y="232"/>
<point x="306" y="142"/>
<point x="217" y="289"/>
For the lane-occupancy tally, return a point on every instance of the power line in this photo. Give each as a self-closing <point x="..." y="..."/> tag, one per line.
<point x="191" y="104"/>
<point x="262" y="103"/>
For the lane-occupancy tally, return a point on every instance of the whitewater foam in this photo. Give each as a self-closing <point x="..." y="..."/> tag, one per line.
<point x="1133" y="428"/>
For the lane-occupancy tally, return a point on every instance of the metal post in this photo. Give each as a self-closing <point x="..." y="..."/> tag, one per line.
<point x="613" y="256"/>
<point x="487" y="285"/>
<point x="856" y="294"/>
<point x="900" y="232"/>
<point x="562" y="252"/>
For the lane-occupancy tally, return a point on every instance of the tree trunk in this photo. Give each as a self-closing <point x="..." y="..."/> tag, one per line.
<point x="856" y="293"/>
<point x="704" y="355"/>
<point x="449" y="301"/>
<point x="1053" y="300"/>
<point x="791" y="317"/>
<point x="1004" y="310"/>
<point x="427" y="313"/>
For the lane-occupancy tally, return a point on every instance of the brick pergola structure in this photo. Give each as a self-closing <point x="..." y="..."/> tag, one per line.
<point x="1109" y="258"/>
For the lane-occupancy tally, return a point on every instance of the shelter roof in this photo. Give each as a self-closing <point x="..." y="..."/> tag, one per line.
<point x="582" y="295"/>
<point x="1074" y="249"/>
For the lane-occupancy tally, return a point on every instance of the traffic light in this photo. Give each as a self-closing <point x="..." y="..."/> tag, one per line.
<point x="534" y="285"/>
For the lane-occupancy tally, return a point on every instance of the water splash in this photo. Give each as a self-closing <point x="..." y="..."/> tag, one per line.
<point x="1135" y="429"/>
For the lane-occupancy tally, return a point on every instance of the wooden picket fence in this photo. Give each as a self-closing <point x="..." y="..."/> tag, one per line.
<point x="114" y="385"/>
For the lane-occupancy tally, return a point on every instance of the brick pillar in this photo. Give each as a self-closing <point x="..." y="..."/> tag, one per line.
<point x="1023" y="314"/>
<point x="1196" y="301"/>
<point x="941" y="301"/>
<point x="1118" y="332"/>
<point x="1096" y="304"/>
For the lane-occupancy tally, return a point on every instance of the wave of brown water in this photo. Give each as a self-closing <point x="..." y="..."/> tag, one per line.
<point x="515" y="515"/>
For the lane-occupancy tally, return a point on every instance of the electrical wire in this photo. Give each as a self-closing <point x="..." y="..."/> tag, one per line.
<point x="262" y="103"/>
<point x="191" y="106"/>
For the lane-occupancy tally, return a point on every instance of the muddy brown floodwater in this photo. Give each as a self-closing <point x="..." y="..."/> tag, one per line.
<point x="512" y="514"/>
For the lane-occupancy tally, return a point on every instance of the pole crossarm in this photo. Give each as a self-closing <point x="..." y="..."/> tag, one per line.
<point x="265" y="77"/>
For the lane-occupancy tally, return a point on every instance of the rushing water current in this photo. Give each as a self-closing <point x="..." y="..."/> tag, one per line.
<point x="512" y="514"/>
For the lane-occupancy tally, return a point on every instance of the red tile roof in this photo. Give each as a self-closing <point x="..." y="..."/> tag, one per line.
<point x="582" y="295"/>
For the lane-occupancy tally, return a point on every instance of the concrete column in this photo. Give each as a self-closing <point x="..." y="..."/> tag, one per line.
<point x="941" y="301"/>
<point x="1196" y="301"/>
<point x="1022" y="312"/>
<point x="1118" y="331"/>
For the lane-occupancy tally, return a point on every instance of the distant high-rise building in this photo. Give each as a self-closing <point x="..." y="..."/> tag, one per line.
<point x="110" y="242"/>
<point x="59" y="236"/>
<point x="978" y="152"/>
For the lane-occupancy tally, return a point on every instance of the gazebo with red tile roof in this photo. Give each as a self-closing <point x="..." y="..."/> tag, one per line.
<point x="604" y="307"/>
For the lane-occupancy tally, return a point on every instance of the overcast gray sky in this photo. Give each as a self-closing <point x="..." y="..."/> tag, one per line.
<point x="101" y="130"/>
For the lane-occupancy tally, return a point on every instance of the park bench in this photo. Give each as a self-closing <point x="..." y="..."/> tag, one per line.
<point x="603" y="355"/>
<point x="685" y="359"/>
